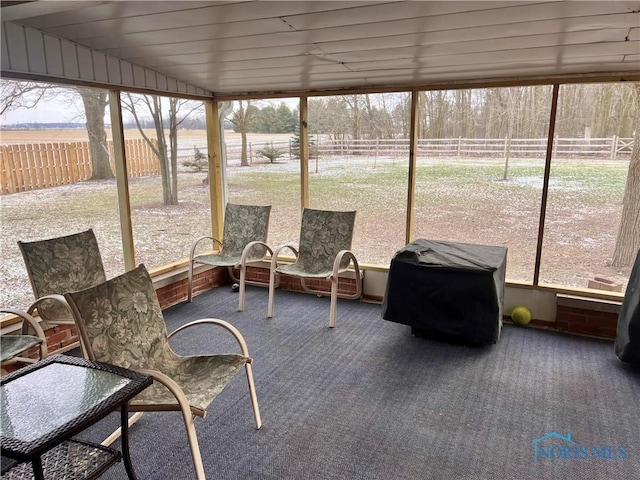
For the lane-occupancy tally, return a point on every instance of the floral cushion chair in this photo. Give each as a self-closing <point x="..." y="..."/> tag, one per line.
<point x="325" y="252"/>
<point x="59" y="265"/>
<point x="121" y="323"/>
<point x="243" y="242"/>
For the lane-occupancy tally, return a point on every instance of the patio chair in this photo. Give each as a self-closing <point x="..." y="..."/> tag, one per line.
<point x="120" y="322"/>
<point x="243" y="243"/>
<point x="59" y="265"/>
<point x="325" y="243"/>
<point x="13" y="345"/>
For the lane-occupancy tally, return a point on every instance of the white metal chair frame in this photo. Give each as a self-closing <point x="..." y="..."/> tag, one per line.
<point x="333" y="278"/>
<point x="183" y="405"/>
<point x="244" y="234"/>
<point x="188" y="414"/>
<point x="242" y="265"/>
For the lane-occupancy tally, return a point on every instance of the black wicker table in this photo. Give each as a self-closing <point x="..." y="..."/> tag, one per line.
<point x="45" y="404"/>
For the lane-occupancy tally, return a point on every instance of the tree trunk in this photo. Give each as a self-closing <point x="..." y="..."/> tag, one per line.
<point x="628" y="240"/>
<point x="95" y="102"/>
<point x="163" y="158"/>
<point x="173" y="141"/>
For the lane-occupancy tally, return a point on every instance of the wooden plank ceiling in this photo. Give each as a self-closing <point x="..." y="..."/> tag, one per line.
<point x="253" y="47"/>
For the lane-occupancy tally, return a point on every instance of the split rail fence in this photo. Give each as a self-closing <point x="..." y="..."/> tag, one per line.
<point x="33" y="166"/>
<point x="603" y="148"/>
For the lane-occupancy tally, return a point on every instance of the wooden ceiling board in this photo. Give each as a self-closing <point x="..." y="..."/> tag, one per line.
<point x="487" y="47"/>
<point x="202" y="39"/>
<point x="390" y="12"/>
<point x="20" y="11"/>
<point x="463" y="14"/>
<point x="181" y="14"/>
<point x="83" y="12"/>
<point x="547" y="46"/>
<point x="442" y="35"/>
<point x="416" y="76"/>
<point x="547" y="54"/>
<point x="264" y="72"/>
<point x="254" y="46"/>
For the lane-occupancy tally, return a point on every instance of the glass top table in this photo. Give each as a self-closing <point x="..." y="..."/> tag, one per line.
<point x="43" y="405"/>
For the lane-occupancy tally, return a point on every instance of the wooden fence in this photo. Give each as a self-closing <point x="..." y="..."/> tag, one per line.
<point x="33" y="166"/>
<point x="605" y="148"/>
<point x="602" y="148"/>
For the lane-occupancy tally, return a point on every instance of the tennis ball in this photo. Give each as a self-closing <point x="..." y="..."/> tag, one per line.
<point x="521" y="315"/>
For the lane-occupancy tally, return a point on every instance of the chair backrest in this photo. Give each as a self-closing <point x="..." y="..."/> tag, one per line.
<point x="244" y="224"/>
<point x="120" y="321"/>
<point x="322" y="235"/>
<point x="61" y="265"/>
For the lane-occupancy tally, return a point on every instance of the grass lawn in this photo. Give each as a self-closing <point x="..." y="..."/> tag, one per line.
<point x="458" y="200"/>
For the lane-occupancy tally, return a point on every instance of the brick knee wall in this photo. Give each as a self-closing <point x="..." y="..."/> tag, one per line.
<point x="587" y="316"/>
<point x="178" y="291"/>
<point x="586" y="322"/>
<point x="260" y="274"/>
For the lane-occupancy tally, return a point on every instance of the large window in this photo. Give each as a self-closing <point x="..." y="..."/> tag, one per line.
<point x="57" y="177"/>
<point x="591" y="158"/>
<point x="168" y="183"/>
<point x="358" y="160"/>
<point x="479" y="173"/>
<point x="262" y="167"/>
<point x="480" y="168"/>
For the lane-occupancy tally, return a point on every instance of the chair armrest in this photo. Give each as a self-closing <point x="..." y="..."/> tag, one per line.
<point x="338" y="259"/>
<point x="34" y="324"/>
<point x="54" y="296"/>
<point x="247" y="249"/>
<point x="27" y="318"/>
<point x="195" y="244"/>
<point x="276" y="254"/>
<point x="221" y="323"/>
<point x="336" y="270"/>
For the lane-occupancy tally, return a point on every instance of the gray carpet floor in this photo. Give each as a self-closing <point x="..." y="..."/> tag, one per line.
<point x="367" y="400"/>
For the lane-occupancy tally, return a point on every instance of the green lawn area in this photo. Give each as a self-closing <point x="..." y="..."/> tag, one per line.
<point x="459" y="200"/>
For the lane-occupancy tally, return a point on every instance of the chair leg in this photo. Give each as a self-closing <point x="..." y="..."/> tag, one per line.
<point x="334" y="301"/>
<point x="193" y="445"/>
<point x="272" y="287"/>
<point x="118" y="431"/>
<point x="190" y="286"/>
<point x="254" y="397"/>
<point x="243" y="275"/>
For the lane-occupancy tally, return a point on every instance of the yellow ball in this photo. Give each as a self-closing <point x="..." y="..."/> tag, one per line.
<point x="521" y="316"/>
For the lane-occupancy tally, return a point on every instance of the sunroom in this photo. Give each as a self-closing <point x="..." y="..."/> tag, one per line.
<point x="511" y="124"/>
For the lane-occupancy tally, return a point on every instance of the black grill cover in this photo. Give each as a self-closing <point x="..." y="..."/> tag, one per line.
<point x="448" y="289"/>
<point x="627" y="344"/>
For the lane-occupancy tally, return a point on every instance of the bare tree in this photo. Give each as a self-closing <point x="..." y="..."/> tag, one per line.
<point x="240" y="118"/>
<point x="166" y="150"/>
<point x="16" y="95"/>
<point x="628" y="239"/>
<point x="95" y="103"/>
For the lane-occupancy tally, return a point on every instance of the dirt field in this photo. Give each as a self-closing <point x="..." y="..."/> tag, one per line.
<point x="8" y="137"/>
